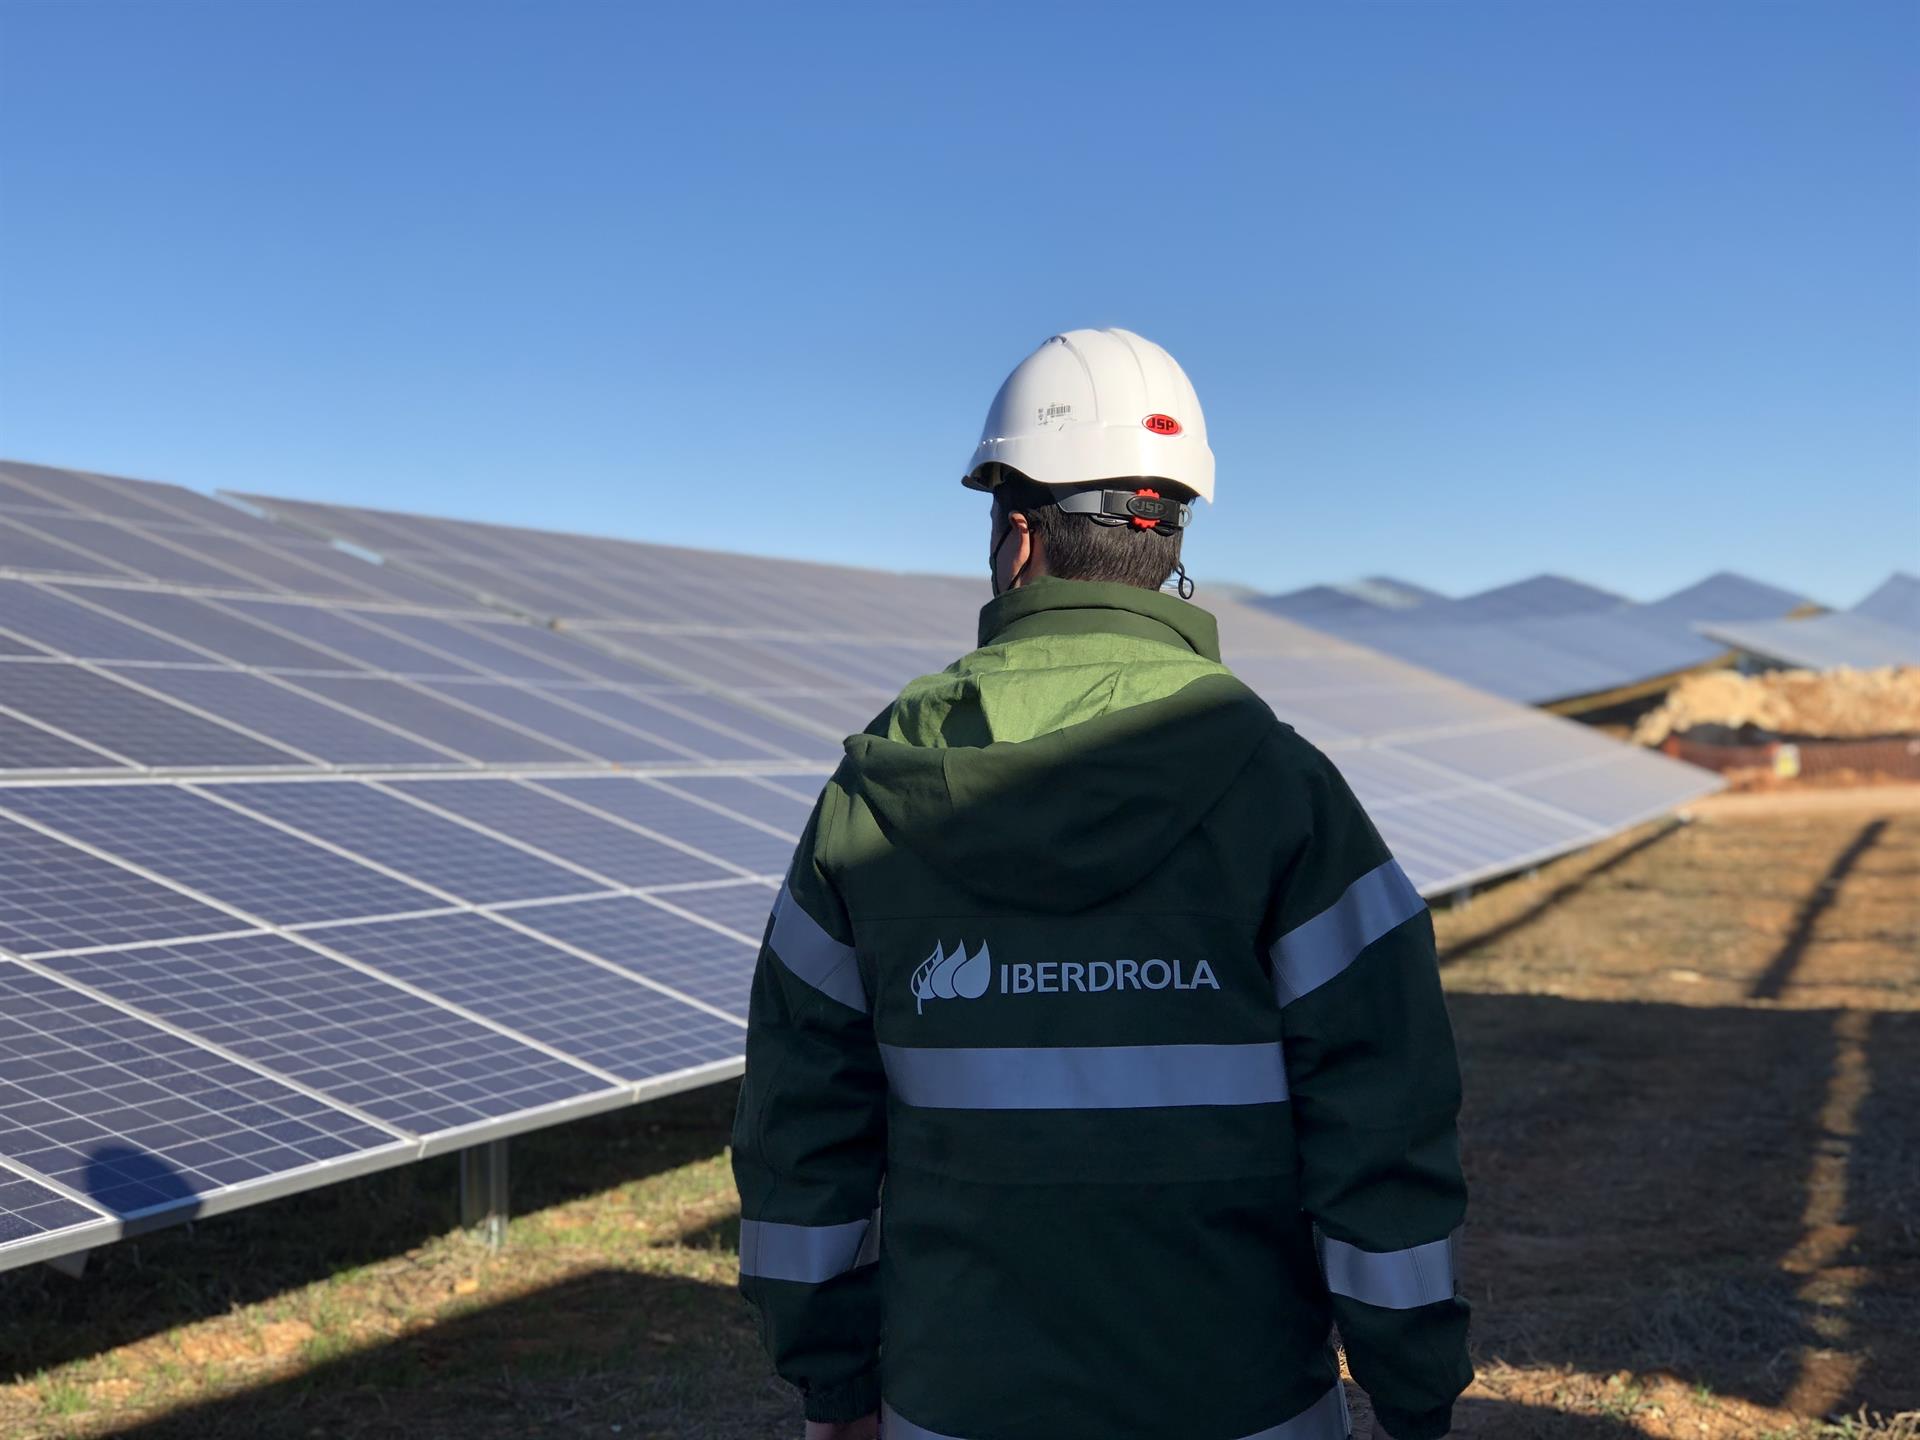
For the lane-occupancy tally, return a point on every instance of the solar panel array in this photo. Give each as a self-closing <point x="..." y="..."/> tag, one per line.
<point x="1463" y="784"/>
<point x="1543" y="640"/>
<point x="303" y="877"/>
<point x="321" y="867"/>
<point x="1883" y="629"/>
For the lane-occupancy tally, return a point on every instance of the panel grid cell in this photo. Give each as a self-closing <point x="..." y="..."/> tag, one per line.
<point x="748" y="797"/>
<point x="741" y="908"/>
<point x="431" y="718"/>
<point x="22" y="549"/>
<point x="141" y="1120"/>
<point x="28" y="747"/>
<point x="55" y="618"/>
<point x="681" y="819"/>
<point x="135" y="552"/>
<point x="289" y="717"/>
<point x="416" y="842"/>
<point x="353" y="1037"/>
<point x="655" y="943"/>
<point x="537" y="712"/>
<point x="565" y="830"/>
<point x="147" y="730"/>
<point x="338" y="630"/>
<point x="575" y="1006"/>
<point x="28" y="1209"/>
<point x="692" y="735"/>
<point x="199" y="623"/>
<point x="472" y="642"/>
<point x="56" y="897"/>
<point x="234" y="858"/>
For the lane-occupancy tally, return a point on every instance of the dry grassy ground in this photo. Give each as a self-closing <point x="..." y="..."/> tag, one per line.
<point x="1693" y="1064"/>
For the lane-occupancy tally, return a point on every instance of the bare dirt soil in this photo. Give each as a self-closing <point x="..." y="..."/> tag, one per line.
<point x="1693" y="1132"/>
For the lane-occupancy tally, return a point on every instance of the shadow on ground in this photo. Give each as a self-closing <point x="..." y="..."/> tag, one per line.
<point x="172" y="1277"/>
<point x="597" y="1355"/>
<point x="1724" y="1195"/>
<point x="605" y="1353"/>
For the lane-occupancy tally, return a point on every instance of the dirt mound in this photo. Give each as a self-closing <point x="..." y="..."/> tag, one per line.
<point x="1824" y="704"/>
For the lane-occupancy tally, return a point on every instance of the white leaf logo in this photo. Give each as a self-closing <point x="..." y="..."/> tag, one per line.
<point x="952" y="976"/>
<point x="971" y="977"/>
<point x="922" y="978"/>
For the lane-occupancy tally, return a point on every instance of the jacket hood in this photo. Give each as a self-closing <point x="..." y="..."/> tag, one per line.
<point x="1061" y="763"/>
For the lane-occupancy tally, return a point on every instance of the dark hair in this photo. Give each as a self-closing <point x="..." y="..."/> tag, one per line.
<point x="1078" y="547"/>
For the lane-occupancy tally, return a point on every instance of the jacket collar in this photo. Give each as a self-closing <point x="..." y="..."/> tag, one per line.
<point x="1051" y="606"/>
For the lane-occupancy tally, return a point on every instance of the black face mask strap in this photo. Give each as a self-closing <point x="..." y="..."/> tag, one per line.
<point x="993" y="558"/>
<point x="1184" y="586"/>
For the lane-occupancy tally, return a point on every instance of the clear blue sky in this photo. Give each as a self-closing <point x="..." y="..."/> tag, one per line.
<point x="1469" y="290"/>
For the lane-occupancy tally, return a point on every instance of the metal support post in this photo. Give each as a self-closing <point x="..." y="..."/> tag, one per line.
<point x="483" y="1192"/>
<point x="72" y="1265"/>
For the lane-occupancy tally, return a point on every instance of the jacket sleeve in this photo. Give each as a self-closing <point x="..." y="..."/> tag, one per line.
<point x="809" y="1146"/>
<point x="1376" y="1088"/>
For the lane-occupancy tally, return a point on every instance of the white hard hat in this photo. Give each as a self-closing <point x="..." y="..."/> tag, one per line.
<point x="1094" y="405"/>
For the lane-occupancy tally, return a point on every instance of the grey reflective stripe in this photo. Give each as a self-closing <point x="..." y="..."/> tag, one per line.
<point x="1309" y="955"/>
<point x="1393" y="1279"/>
<point x="814" y="955"/>
<point x="1087" y="1077"/>
<point x="1325" y="1419"/>
<point x="808" y="1253"/>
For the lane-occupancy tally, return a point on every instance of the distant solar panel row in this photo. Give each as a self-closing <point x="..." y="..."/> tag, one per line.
<point x="1542" y="640"/>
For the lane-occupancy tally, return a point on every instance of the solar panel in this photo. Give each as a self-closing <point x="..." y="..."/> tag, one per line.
<point x="403" y="836"/>
<point x="288" y="717"/>
<point x="57" y="619"/>
<point x="1895" y="601"/>
<point x="475" y="647"/>
<point x="56" y="897"/>
<point x="198" y="623"/>
<point x="742" y="908"/>
<point x="24" y="549"/>
<point x="602" y="845"/>
<point x="284" y="567"/>
<point x="682" y="819"/>
<point x="549" y="713"/>
<point x="683" y="732"/>
<point x="141" y="1120"/>
<point x="1822" y="642"/>
<point x="649" y="941"/>
<point x="720" y="713"/>
<point x="595" y="1014"/>
<point x="351" y="1036"/>
<point x="25" y="746"/>
<point x="149" y="731"/>
<point x="432" y="718"/>
<point x="139" y="554"/>
<point x="194" y="842"/>
<point x="97" y="495"/>
<point x="29" y="1210"/>
<point x="744" y="795"/>
<point x="340" y="631"/>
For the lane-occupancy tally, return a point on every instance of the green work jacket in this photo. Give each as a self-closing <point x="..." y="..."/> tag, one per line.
<point x="1099" y="977"/>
